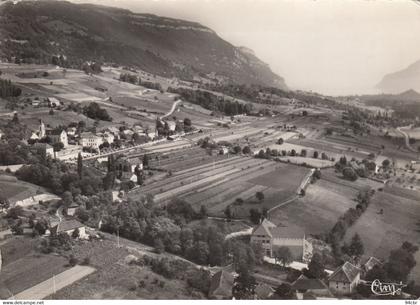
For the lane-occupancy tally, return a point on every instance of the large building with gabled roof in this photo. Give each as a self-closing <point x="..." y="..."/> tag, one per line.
<point x="344" y="279"/>
<point x="271" y="237"/>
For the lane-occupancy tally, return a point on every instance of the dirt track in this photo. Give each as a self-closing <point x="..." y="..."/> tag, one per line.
<point x="55" y="283"/>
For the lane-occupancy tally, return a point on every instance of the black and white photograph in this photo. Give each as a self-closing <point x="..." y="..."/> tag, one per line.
<point x="209" y="150"/>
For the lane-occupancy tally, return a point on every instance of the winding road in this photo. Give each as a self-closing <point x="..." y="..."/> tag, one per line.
<point x="406" y="138"/>
<point x="172" y="109"/>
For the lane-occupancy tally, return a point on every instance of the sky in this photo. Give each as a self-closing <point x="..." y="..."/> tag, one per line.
<point x="329" y="46"/>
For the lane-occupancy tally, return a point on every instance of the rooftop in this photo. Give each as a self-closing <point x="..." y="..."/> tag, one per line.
<point x="346" y="273"/>
<point x="69" y="224"/>
<point x="304" y="283"/>
<point x="222" y="283"/>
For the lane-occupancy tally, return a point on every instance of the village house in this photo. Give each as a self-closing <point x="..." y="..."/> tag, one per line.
<point x="71" y="131"/>
<point x="271" y="237"/>
<point x="108" y="137"/>
<point x="344" y="279"/>
<point x="371" y="263"/>
<point x="43" y="149"/>
<point x="223" y="150"/>
<point x="305" y="288"/>
<point x="128" y="133"/>
<point x="129" y="164"/>
<point x="88" y="139"/>
<point x="59" y="136"/>
<point x="113" y="130"/>
<point x="171" y="125"/>
<point x="71" y="209"/>
<point x="221" y="285"/>
<point x="151" y="134"/>
<point x="138" y="129"/>
<point x="53" y="102"/>
<point x="35" y="103"/>
<point x="68" y="226"/>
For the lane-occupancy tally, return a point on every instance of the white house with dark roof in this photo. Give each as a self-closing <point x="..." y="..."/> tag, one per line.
<point x="71" y="209"/>
<point x="69" y="226"/>
<point x="344" y="279"/>
<point x="59" y="136"/>
<point x="271" y="237"/>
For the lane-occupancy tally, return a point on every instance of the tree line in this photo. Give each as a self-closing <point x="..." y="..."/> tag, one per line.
<point x="212" y="102"/>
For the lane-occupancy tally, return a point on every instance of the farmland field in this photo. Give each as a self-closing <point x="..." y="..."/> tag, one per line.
<point x="399" y="222"/>
<point x="18" y="190"/>
<point x="320" y="208"/>
<point x="215" y="182"/>
<point x="24" y="268"/>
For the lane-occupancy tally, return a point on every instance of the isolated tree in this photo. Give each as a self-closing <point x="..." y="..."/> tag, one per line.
<point x="280" y="141"/>
<point x="317" y="174"/>
<point x="316" y="154"/>
<point x="111" y="163"/>
<point x="203" y="211"/>
<point x="303" y="152"/>
<point x="356" y="247"/>
<point x="76" y="233"/>
<point x="293" y="152"/>
<point x="246" y="150"/>
<point x="145" y="161"/>
<point x="80" y="165"/>
<point x="255" y="215"/>
<point x="244" y="285"/>
<point x="15" y="118"/>
<point x="349" y="173"/>
<point x="187" y="123"/>
<point x="228" y="213"/>
<point x="237" y="149"/>
<point x="260" y="196"/>
<point x="283" y="255"/>
<point x="316" y="268"/>
<point x="386" y="163"/>
<point x="72" y="260"/>
<point x="41" y="226"/>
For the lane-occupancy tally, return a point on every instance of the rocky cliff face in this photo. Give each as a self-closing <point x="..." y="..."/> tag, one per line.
<point x="36" y="30"/>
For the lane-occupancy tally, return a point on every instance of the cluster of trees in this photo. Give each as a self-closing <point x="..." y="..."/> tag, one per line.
<point x="92" y="68"/>
<point x="357" y="120"/>
<point x="212" y="102"/>
<point x="163" y="128"/>
<point x="135" y="80"/>
<point x="15" y="152"/>
<point x="95" y="112"/>
<point x="338" y="232"/>
<point x="7" y="89"/>
<point x="60" y="177"/>
<point x="165" y="230"/>
<point x="346" y="169"/>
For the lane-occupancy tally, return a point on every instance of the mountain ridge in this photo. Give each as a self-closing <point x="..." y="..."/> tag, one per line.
<point x="402" y="80"/>
<point x="159" y="45"/>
